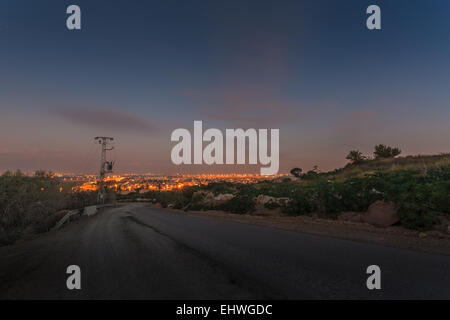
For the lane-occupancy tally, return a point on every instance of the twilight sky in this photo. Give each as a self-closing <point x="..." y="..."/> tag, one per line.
<point x="140" y="69"/>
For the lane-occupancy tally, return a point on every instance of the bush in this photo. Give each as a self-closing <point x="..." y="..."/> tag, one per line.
<point x="301" y="202"/>
<point x="418" y="220"/>
<point x="219" y="188"/>
<point x="355" y="157"/>
<point x="28" y="203"/>
<point x="382" y="151"/>
<point x="296" y="172"/>
<point x="239" y="205"/>
<point x="271" y="205"/>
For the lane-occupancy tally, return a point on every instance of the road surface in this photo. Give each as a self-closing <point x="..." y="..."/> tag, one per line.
<point x="135" y="251"/>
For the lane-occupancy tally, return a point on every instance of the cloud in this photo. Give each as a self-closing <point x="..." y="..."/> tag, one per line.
<point x="104" y="118"/>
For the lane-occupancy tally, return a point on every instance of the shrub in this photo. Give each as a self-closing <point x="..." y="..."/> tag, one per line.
<point x="219" y="187"/>
<point x="301" y="202"/>
<point x="355" y="157"/>
<point x="296" y="172"/>
<point x="310" y="175"/>
<point x="239" y="205"/>
<point x="271" y="205"/>
<point x="382" y="151"/>
<point x="28" y="203"/>
<point x="418" y="220"/>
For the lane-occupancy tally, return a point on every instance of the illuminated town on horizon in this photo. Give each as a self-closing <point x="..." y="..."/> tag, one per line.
<point x="126" y="183"/>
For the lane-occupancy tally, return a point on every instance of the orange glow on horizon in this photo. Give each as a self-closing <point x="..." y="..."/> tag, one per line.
<point x="136" y="183"/>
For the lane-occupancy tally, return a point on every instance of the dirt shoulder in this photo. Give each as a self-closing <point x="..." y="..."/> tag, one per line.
<point x="395" y="236"/>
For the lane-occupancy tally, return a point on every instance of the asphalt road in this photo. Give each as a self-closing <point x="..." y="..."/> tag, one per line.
<point x="135" y="251"/>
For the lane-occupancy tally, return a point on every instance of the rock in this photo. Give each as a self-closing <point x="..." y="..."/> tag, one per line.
<point x="203" y="194"/>
<point x="209" y="196"/>
<point x="260" y="208"/>
<point x="224" y="197"/>
<point x="381" y="214"/>
<point x="263" y="199"/>
<point x="282" y="201"/>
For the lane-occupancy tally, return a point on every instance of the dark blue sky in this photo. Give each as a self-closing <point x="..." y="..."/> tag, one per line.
<point x="139" y="69"/>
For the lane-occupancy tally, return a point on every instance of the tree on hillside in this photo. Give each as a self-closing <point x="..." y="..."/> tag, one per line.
<point x="382" y="151"/>
<point x="355" y="157"/>
<point x="296" y="172"/>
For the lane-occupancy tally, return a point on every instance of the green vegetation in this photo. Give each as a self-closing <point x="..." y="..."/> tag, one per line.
<point x="29" y="204"/>
<point x="418" y="196"/>
<point x="418" y="185"/>
<point x="382" y="151"/>
<point x="240" y="204"/>
<point x="355" y="157"/>
<point x="420" y="163"/>
<point x="296" y="172"/>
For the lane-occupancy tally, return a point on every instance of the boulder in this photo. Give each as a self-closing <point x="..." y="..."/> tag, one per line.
<point x="203" y="197"/>
<point x="224" y="197"/>
<point x="263" y="199"/>
<point x="208" y="198"/>
<point x="203" y="194"/>
<point x="283" y="200"/>
<point x="382" y="214"/>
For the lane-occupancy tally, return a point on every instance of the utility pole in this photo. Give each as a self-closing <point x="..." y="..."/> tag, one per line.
<point x="105" y="166"/>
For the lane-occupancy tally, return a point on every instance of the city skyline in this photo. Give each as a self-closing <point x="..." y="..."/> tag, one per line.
<point x="311" y="70"/>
